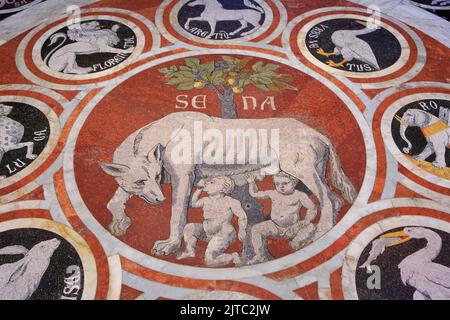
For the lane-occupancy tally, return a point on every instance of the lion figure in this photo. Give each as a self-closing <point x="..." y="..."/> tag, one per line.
<point x="90" y="37"/>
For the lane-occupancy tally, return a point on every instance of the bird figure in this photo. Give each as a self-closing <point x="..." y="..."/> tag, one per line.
<point x="19" y="280"/>
<point x="350" y="47"/>
<point x="431" y="280"/>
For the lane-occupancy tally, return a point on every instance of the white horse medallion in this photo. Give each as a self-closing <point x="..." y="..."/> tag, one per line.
<point x="214" y="12"/>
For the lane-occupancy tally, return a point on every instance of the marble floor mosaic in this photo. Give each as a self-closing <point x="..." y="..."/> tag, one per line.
<point x="224" y="149"/>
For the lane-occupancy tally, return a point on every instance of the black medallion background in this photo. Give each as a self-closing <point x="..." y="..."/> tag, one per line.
<point x="384" y="44"/>
<point x="392" y="287"/>
<point x="89" y="60"/>
<point x="414" y="134"/>
<point x="33" y="120"/>
<point x="441" y="13"/>
<point x="4" y="5"/>
<point x="430" y="3"/>
<point x="441" y="9"/>
<point x="187" y="12"/>
<point x="52" y="283"/>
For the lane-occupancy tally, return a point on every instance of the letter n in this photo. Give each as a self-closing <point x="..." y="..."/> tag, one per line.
<point x="246" y="104"/>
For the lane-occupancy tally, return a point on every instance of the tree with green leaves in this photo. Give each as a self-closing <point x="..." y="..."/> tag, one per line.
<point x="227" y="78"/>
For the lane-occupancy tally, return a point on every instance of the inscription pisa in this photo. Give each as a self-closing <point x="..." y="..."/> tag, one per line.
<point x="50" y="267"/>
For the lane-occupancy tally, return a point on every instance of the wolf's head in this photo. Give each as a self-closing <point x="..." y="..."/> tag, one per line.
<point x="141" y="177"/>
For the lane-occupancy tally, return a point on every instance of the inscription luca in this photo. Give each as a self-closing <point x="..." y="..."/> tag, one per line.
<point x="19" y="163"/>
<point x="183" y="101"/>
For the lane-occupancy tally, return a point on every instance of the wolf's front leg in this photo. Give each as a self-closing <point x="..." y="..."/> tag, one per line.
<point x="182" y="187"/>
<point x="120" y="221"/>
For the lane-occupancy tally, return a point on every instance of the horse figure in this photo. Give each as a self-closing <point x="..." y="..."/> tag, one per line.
<point x="215" y="12"/>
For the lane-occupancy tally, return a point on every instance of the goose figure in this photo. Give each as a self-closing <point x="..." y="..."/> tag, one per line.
<point x="431" y="280"/>
<point x="350" y="47"/>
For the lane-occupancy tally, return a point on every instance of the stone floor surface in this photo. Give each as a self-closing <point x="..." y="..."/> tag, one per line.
<point x="224" y="149"/>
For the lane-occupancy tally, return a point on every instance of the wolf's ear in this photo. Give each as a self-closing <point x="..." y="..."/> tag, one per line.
<point x="155" y="155"/>
<point x="115" y="170"/>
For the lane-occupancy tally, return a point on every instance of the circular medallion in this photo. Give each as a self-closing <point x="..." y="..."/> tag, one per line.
<point x="43" y="260"/>
<point x="405" y="258"/>
<point x="372" y="50"/>
<point x="399" y="258"/>
<point x="222" y="19"/>
<point x="353" y="46"/>
<point x="28" y="135"/>
<point x="68" y="54"/>
<point x="95" y="47"/>
<point x="220" y="86"/>
<point x="220" y="22"/>
<point x="417" y="133"/>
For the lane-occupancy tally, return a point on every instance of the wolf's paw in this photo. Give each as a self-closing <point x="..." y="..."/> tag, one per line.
<point x="256" y="260"/>
<point x="166" y="247"/>
<point x="119" y="227"/>
<point x="237" y="259"/>
<point x="185" y="254"/>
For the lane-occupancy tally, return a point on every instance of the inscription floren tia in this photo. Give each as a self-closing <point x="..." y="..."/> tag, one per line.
<point x="120" y="57"/>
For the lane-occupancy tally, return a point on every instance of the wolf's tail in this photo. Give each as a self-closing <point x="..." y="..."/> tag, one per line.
<point x="338" y="177"/>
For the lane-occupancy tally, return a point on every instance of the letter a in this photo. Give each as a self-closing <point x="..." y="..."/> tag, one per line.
<point x="374" y="281"/>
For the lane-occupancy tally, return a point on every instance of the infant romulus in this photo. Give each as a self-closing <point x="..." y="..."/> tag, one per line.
<point x="285" y="219"/>
<point x="217" y="229"/>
